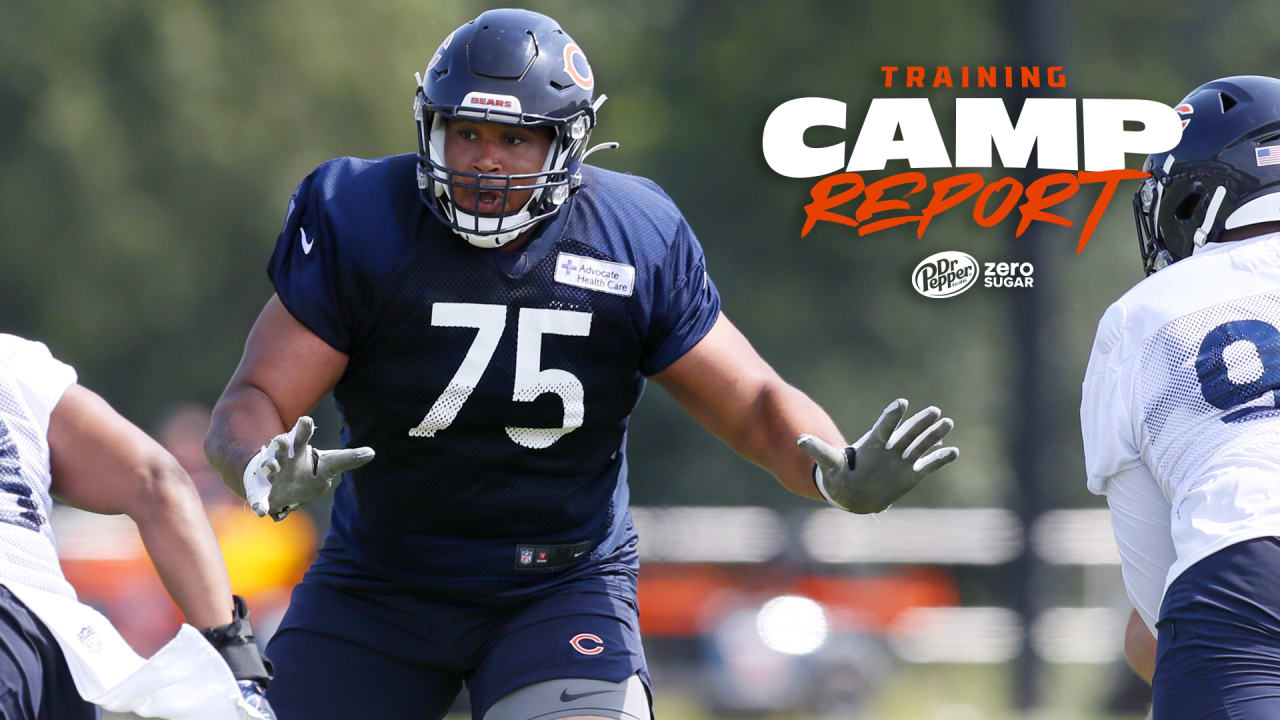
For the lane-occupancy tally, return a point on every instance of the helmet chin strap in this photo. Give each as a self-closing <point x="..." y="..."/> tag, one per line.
<point x="1215" y="203"/>
<point x="495" y="240"/>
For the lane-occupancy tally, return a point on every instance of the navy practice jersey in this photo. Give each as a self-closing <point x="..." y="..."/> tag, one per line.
<point x="494" y="386"/>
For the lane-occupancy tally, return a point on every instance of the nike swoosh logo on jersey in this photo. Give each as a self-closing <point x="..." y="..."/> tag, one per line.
<point x="566" y="696"/>
<point x="306" y="246"/>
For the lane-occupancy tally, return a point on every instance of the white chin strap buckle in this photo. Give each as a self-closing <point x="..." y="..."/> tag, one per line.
<point x="1202" y="232"/>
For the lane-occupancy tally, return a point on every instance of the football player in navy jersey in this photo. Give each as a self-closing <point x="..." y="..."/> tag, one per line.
<point x="486" y="313"/>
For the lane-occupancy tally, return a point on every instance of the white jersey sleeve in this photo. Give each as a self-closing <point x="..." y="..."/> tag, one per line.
<point x="31" y="383"/>
<point x="1140" y="519"/>
<point x="39" y="376"/>
<point x="1106" y="421"/>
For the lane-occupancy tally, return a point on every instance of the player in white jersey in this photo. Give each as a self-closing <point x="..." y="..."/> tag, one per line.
<point x="1181" y="408"/>
<point x="60" y="659"/>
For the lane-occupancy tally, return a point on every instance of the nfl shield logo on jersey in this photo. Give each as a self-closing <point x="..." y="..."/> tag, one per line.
<point x="90" y="639"/>
<point x="526" y="556"/>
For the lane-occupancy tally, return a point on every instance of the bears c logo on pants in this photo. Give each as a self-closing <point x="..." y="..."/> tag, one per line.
<point x="593" y="644"/>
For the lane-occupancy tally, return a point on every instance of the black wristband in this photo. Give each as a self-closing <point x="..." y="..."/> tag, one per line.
<point x="234" y="642"/>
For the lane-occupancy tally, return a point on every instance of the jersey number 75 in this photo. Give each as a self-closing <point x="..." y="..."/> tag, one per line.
<point x="531" y="379"/>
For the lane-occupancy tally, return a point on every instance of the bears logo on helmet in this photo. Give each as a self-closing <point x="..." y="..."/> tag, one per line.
<point x="584" y="78"/>
<point x="1183" y="110"/>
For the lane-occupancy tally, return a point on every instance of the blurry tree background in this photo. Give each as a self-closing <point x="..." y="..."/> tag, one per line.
<point x="148" y="150"/>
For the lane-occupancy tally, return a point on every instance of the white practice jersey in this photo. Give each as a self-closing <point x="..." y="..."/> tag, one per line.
<point x="31" y="383"/>
<point x="1184" y="379"/>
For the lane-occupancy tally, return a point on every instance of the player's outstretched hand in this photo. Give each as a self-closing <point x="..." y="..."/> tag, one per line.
<point x="879" y="468"/>
<point x="287" y="471"/>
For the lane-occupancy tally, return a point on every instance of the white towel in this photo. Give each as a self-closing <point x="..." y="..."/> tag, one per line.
<point x="185" y="680"/>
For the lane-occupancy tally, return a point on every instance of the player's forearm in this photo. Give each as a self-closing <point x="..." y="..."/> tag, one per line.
<point x="779" y="415"/>
<point x="182" y="546"/>
<point x="103" y="463"/>
<point x="243" y="421"/>
<point x="1140" y="647"/>
<point x="728" y="388"/>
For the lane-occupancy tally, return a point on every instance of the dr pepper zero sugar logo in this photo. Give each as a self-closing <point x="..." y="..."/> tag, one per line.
<point x="951" y="272"/>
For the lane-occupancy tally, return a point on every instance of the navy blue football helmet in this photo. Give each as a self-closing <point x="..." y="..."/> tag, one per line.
<point x="506" y="66"/>
<point x="1223" y="174"/>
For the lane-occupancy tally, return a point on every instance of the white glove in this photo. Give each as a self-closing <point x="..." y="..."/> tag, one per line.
<point x="287" y="471"/>
<point x="879" y="468"/>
